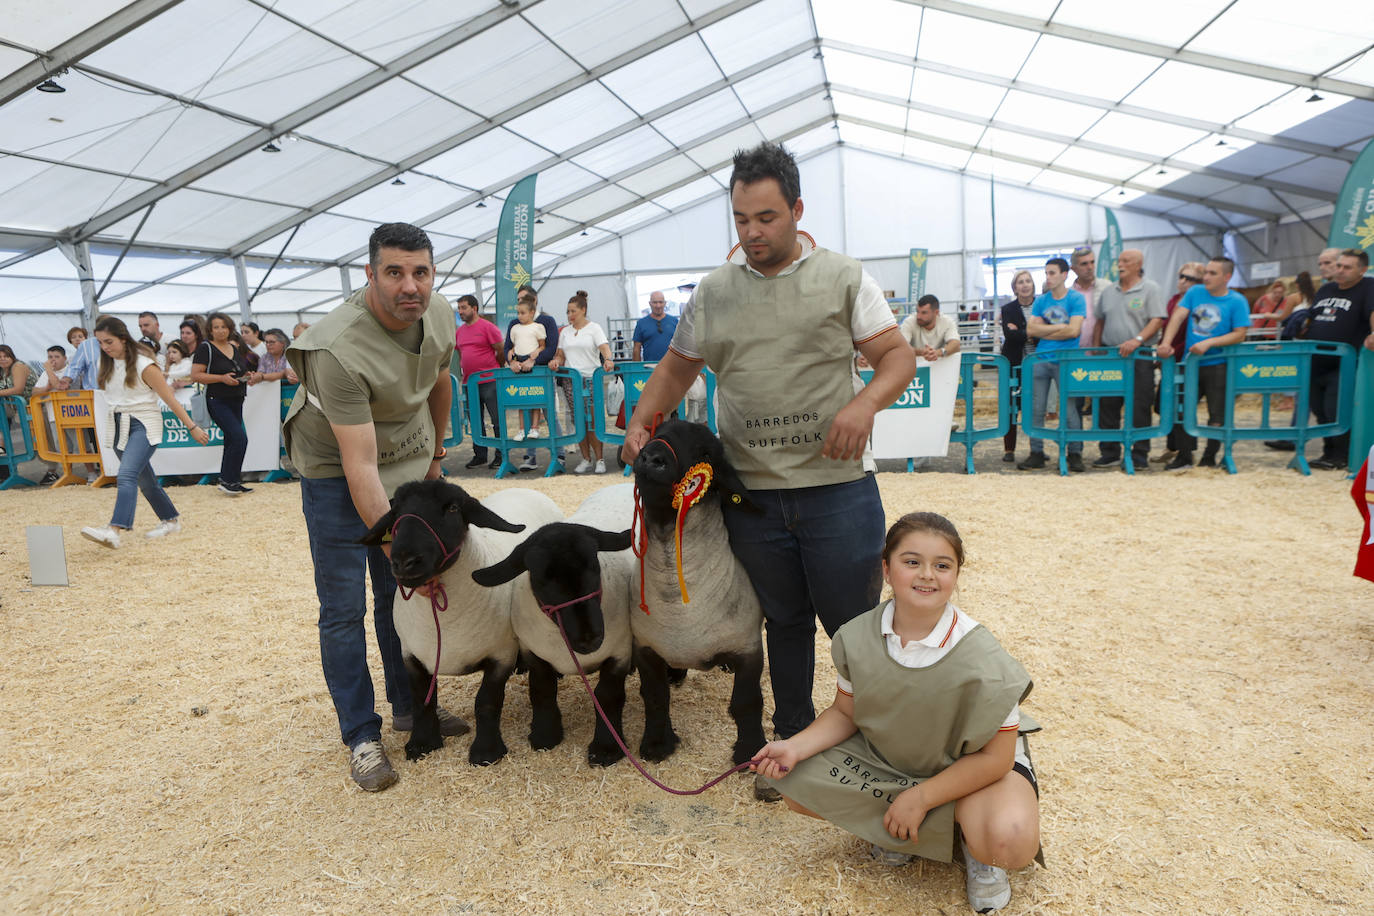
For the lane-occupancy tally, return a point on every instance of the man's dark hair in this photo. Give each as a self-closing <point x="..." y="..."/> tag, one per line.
<point x="1062" y="264"/>
<point x="768" y="160"/>
<point x="526" y="288"/>
<point x="1222" y="259"/>
<point x="1359" y="254"/>
<point x="928" y="299"/>
<point x="470" y="300"/>
<point x="397" y="235"/>
<point x="58" y="349"/>
<point x="151" y="315"/>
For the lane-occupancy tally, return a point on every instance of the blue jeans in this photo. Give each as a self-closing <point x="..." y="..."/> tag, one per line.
<point x="334" y="527"/>
<point x="1041" y="376"/>
<point x="135" y="474"/>
<point x="228" y="416"/>
<point x="814" y="552"/>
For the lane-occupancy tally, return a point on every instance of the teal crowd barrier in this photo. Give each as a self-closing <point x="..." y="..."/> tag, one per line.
<point x="14" y="457"/>
<point x="455" y="413"/>
<point x="1362" y="423"/>
<point x="969" y="434"/>
<point x="524" y="391"/>
<point x="288" y="394"/>
<point x="1095" y="374"/>
<point x="1270" y="369"/>
<point x="634" y="376"/>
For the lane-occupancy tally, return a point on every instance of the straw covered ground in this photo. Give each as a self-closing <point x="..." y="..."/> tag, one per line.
<point x="1201" y="654"/>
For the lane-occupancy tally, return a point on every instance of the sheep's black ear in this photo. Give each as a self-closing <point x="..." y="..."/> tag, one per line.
<point x="503" y="571"/>
<point x="733" y="493"/>
<point x="614" y="540"/>
<point x="380" y="532"/>
<point x="474" y="513"/>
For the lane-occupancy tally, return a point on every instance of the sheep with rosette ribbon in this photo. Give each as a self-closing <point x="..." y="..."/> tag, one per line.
<point x="697" y="606"/>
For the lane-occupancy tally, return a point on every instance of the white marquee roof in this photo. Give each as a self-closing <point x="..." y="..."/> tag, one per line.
<point x="1209" y="113"/>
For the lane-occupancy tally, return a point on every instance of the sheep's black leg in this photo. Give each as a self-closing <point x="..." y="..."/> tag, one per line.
<point x="610" y="693"/>
<point x="746" y="704"/>
<point x="487" y="746"/>
<point x="676" y="676"/>
<point x="424" y="734"/>
<point x="659" y="739"/>
<point x="546" y="722"/>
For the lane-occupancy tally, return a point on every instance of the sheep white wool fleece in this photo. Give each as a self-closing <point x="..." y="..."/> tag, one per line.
<point x="724" y="613"/>
<point x="609" y="509"/>
<point x="477" y="624"/>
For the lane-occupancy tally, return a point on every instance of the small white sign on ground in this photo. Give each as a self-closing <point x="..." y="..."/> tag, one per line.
<point x="47" y="555"/>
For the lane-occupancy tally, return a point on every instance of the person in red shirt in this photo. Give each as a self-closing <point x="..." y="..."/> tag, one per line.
<point x="480" y="347"/>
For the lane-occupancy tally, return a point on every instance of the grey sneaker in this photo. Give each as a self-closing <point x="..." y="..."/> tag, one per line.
<point x="764" y="792"/>
<point x="987" y="886"/>
<point x="889" y="856"/>
<point x="370" y="768"/>
<point x="450" y="726"/>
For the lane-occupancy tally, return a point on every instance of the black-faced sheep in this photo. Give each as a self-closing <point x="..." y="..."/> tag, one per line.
<point x="445" y="533"/>
<point x="584" y="565"/>
<point x="722" y="624"/>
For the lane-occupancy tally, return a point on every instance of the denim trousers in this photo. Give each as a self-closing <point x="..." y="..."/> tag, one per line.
<point x="813" y="552"/>
<point x="228" y="416"/>
<point x="135" y="474"/>
<point x="334" y="527"/>
<point x="1042" y="376"/>
<point x="486" y="394"/>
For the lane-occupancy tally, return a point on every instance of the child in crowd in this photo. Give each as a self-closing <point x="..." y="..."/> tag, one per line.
<point x="178" y="365"/>
<point x="925" y="732"/>
<point x="527" y="338"/>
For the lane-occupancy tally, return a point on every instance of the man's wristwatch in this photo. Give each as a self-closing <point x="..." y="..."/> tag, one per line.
<point x="441" y="454"/>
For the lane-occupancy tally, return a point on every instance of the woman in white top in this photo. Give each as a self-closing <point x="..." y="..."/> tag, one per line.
<point x="582" y="345"/>
<point x="252" y="338"/>
<point x="133" y="384"/>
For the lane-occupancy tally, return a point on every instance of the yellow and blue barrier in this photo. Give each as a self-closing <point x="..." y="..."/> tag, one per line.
<point x="536" y="389"/>
<point x="14" y="457"/>
<point x="288" y="394"/>
<point x="968" y="434"/>
<point x="634" y="376"/>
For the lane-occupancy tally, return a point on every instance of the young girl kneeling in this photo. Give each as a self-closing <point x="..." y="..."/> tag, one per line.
<point x="926" y="728"/>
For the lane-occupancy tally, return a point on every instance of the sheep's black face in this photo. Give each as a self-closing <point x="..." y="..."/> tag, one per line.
<point x="562" y="575"/>
<point x="430" y="528"/>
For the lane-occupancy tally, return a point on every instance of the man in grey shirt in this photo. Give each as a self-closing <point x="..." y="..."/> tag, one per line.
<point x="1130" y="313"/>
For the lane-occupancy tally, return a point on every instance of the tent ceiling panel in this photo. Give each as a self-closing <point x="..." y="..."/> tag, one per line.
<point x="923" y="151"/>
<point x="700" y="117"/>
<point x="593" y="33"/>
<point x="1149" y="137"/>
<point x="792" y="117"/>
<point x="945" y="128"/>
<point x="1259" y="198"/>
<point x="1159" y="176"/>
<point x="1069" y="184"/>
<point x="562" y="180"/>
<point x="624" y="152"/>
<point x="1259" y="160"/>
<point x="722" y="148"/>
<point x="492" y="71"/>
<point x="736" y="40"/>
<point x="386" y="202"/>
<point x="552" y="226"/>
<point x="818" y="138"/>
<point x="1318" y="173"/>
<point x="288" y="300"/>
<point x="978" y="99"/>
<point x="322" y="236"/>
<point x="572" y="118"/>
<point x="1169" y="22"/>
<point x="471" y="221"/>
<point x="395" y="120"/>
<point x="45" y="26"/>
<point x="1202" y="186"/>
<point x="51" y="264"/>
<point x="485" y="159"/>
<point x="1074" y="66"/>
<point x="11" y="59"/>
<point x="61" y="125"/>
<point x="1310" y="44"/>
<point x="1351" y="122"/>
<point x="1359" y="70"/>
<point x="202" y="219"/>
<point x="886" y="24"/>
<point x="232" y="54"/>
<point x="1004" y="141"/>
<point x="872" y="110"/>
<point x="300" y="174"/>
<point x="574" y="242"/>
<point x="381" y="31"/>
<point x="587" y="208"/>
<point x="134" y="268"/>
<point x="778" y="82"/>
<point x="1204" y="93"/>
<point x="667" y="172"/>
<point x="1001" y="169"/>
<point x="1290" y="111"/>
<point x="1105" y="164"/>
<point x="1030" y="110"/>
<point x="849" y="69"/>
<point x="634" y="216"/>
<point x="1213" y="149"/>
<point x="24" y="295"/>
<point x="947" y="39"/>
<point x="688" y="193"/>
<point x="1120" y="196"/>
<point x="682" y="67"/>
<point x="47" y="197"/>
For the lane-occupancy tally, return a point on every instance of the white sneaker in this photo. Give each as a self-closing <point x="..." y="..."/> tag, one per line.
<point x="170" y="526"/>
<point x="104" y="536"/>
<point x="519" y="436"/>
<point x="987" y="886"/>
<point x="583" y="467"/>
<point x="600" y="466"/>
<point x="532" y="434"/>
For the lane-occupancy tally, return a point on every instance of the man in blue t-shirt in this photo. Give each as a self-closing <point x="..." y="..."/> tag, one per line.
<point x="1217" y="316"/>
<point x="654" y="331"/>
<point x="1056" y="320"/>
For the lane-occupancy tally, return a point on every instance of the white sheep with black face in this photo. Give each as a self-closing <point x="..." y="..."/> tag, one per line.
<point x="721" y="625"/>
<point x="583" y="565"/>
<point x="445" y="533"/>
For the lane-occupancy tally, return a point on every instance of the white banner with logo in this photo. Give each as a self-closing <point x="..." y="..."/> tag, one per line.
<point x="180" y="454"/>
<point x="918" y="424"/>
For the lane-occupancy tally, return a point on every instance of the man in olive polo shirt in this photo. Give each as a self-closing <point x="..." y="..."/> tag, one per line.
<point x="369" y="415"/>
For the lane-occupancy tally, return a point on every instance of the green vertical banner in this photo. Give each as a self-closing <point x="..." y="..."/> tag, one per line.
<point x="916" y="275"/>
<point x="1111" y="249"/>
<point x="514" y="247"/>
<point x="1352" y="226"/>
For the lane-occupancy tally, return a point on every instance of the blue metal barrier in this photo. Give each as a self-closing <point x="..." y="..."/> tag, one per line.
<point x="455" y="413"/>
<point x="1270" y="369"/>
<point x="12" y="459"/>
<point x="634" y="376"/>
<point x="968" y="434"/>
<point x="532" y="390"/>
<point x="1095" y="374"/>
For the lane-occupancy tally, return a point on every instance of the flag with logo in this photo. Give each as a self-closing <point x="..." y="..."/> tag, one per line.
<point x="514" y="247"/>
<point x="1111" y="250"/>
<point x="916" y="274"/>
<point x="1352" y="222"/>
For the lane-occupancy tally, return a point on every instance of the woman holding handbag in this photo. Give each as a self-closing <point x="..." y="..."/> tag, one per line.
<point x="221" y="365"/>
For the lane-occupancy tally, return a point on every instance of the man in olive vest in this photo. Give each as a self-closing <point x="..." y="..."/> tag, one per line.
<point x="778" y="324"/>
<point x="368" y="416"/>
